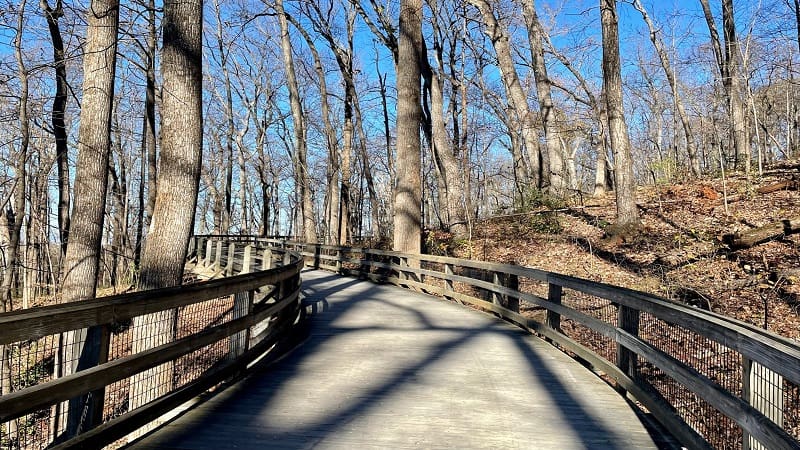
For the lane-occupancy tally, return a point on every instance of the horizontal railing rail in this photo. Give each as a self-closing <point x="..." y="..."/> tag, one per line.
<point x="85" y="374"/>
<point x="710" y="380"/>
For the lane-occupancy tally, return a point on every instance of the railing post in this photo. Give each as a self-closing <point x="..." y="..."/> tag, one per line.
<point x="242" y="307"/>
<point x="247" y="258"/>
<point x="266" y="259"/>
<point x="209" y="253"/>
<point x="199" y="244"/>
<point x="338" y="260"/>
<point x="287" y="258"/>
<point x="448" y="284"/>
<point x="401" y="274"/>
<point x="554" y="293"/>
<point x="512" y="301"/>
<point x="497" y="298"/>
<point x="192" y="247"/>
<point x="762" y="389"/>
<point x="365" y="268"/>
<point x="231" y="256"/>
<point x="218" y="257"/>
<point x="317" y="252"/>
<point x="627" y="320"/>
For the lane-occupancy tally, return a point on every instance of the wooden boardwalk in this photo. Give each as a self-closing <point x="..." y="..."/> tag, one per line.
<point x="384" y="367"/>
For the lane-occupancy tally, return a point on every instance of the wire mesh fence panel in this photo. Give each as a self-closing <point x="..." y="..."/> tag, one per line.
<point x="197" y="317"/>
<point x="791" y="408"/>
<point x="598" y="308"/>
<point x="117" y="393"/>
<point x="27" y="364"/>
<point x="31" y="431"/>
<point x="193" y="319"/>
<point x="191" y="366"/>
<point x="717" y="362"/>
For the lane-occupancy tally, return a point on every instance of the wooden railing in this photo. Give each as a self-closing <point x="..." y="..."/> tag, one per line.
<point x="78" y="370"/>
<point x="711" y="381"/>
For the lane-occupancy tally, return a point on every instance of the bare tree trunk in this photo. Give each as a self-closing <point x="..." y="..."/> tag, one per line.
<point x="445" y="149"/>
<point x="227" y="159"/>
<point x="303" y="188"/>
<point x="81" y="265"/>
<point x="147" y="165"/>
<point x="555" y="154"/>
<point x="797" y="20"/>
<point x="691" y="148"/>
<point x="516" y="96"/>
<point x="729" y="67"/>
<point x="451" y="173"/>
<point x="57" y="119"/>
<point x="15" y="216"/>
<point x="625" y="185"/>
<point x="164" y="254"/>
<point x="331" y="203"/>
<point x="374" y="204"/>
<point x="408" y="195"/>
<point x="149" y="124"/>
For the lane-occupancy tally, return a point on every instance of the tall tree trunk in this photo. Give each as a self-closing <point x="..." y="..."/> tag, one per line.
<point x="148" y="167"/>
<point x="374" y="204"/>
<point x="691" y="148"/>
<point x="57" y="119"/>
<point x="729" y="68"/>
<point x="625" y="185"/>
<point x="445" y="149"/>
<point x="736" y="97"/>
<point x="331" y="203"/>
<point x="516" y="96"/>
<point x="227" y="160"/>
<point x="302" y="188"/>
<point x="450" y="172"/>
<point x="555" y="153"/>
<point x="81" y="264"/>
<point x="797" y="20"/>
<point x="178" y="180"/>
<point x="408" y="194"/>
<point x="150" y="116"/>
<point x="15" y="216"/>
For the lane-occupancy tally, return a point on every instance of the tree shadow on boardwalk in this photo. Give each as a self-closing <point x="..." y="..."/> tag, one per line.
<point x="256" y="412"/>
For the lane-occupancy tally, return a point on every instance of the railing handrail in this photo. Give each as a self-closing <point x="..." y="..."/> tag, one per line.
<point x="778" y="355"/>
<point x="40" y="321"/>
<point x="251" y="327"/>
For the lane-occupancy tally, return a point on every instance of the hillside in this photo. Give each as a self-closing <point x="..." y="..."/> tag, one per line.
<point x="680" y="252"/>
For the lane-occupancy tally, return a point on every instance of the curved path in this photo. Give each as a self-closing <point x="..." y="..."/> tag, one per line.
<point x="385" y="367"/>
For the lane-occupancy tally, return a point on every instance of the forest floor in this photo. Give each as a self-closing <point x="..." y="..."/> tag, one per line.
<point x="679" y="253"/>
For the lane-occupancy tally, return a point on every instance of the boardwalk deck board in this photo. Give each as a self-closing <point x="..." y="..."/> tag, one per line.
<point x="384" y="367"/>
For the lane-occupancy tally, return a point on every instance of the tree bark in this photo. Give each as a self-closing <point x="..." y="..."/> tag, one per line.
<point x="452" y="195"/>
<point x="797" y="20"/>
<point x="408" y="194"/>
<point x="302" y="188"/>
<point x="331" y="204"/>
<point x="165" y="249"/>
<point x="57" y="119"/>
<point x="729" y="68"/>
<point x="625" y="185"/>
<point x="555" y="154"/>
<point x="15" y="216"/>
<point x="81" y="264"/>
<point x="367" y="168"/>
<point x="516" y="96"/>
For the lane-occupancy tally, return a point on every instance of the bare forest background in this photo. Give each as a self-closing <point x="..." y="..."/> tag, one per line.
<point x="309" y="111"/>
